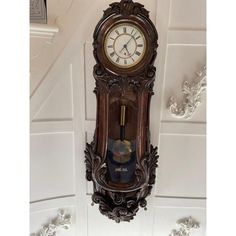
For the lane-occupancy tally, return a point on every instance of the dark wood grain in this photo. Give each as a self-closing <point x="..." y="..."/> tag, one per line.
<point x="132" y="87"/>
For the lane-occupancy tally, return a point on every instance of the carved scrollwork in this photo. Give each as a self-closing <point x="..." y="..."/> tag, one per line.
<point x="150" y="71"/>
<point x="116" y="205"/>
<point x="124" y="211"/>
<point x="144" y="173"/>
<point x="192" y="97"/>
<point x="89" y="161"/>
<point x="138" y="83"/>
<point x="94" y="164"/>
<point x="118" y="198"/>
<point x="98" y="70"/>
<point x="151" y="164"/>
<point x="126" y="7"/>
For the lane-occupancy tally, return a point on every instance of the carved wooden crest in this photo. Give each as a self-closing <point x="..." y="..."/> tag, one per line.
<point x="120" y="161"/>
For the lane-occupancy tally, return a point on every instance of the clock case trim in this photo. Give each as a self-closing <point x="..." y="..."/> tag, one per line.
<point x="122" y="203"/>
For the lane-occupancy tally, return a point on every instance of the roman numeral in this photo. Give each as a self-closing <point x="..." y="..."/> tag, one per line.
<point x="132" y="31"/>
<point x="110" y="46"/>
<point x="118" y="59"/>
<point x="124" y="29"/>
<point x="139" y="45"/>
<point x="132" y="59"/>
<point x="125" y="61"/>
<point x="112" y="38"/>
<point x="137" y="53"/>
<point x="138" y="37"/>
<point x="112" y="54"/>
<point x="117" y="32"/>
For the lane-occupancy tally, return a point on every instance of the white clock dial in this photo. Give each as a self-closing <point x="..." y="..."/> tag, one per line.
<point x="125" y="45"/>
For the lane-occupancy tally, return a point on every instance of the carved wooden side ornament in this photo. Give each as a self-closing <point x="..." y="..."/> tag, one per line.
<point x="120" y="161"/>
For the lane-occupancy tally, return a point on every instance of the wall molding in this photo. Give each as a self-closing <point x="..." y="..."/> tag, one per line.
<point x="52" y="126"/>
<point x="183" y="128"/>
<point x="192" y="97"/>
<point x="44" y="35"/>
<point x="62" y="221"/>
<point x="68" y="201"/>
<point x="187" y="37"/>
<point x="185" y="226"/>
<point x="43" y="31"/>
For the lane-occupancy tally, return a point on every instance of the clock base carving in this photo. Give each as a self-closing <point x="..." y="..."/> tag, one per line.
<point x="120" y="206"/>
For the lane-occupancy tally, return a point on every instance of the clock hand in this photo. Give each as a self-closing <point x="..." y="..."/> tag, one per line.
<point x="127" y="50"/>
<point x="123" y="48"/>
<point x="125" y="45"/>
<point x="132" y="36"/>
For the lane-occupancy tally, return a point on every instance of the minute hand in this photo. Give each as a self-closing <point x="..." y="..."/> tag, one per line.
<point x="132" y="36"/>
<point x="125" y="46"/>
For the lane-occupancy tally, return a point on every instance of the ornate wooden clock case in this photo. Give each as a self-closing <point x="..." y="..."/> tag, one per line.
<point x="120" y="161"/>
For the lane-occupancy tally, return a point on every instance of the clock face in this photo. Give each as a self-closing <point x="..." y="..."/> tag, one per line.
<point x="125" y="45"/>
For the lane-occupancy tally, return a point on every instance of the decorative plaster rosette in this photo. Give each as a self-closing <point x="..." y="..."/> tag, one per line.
<point x="186" y="225"/>
<point x="62" y="221"/>
<point x="192" y="97"/>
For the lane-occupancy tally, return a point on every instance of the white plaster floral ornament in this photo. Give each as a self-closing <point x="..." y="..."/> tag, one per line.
<point x="192" y="97"/>
<point x="185" y="226"/>
<point x="62" y="221"/>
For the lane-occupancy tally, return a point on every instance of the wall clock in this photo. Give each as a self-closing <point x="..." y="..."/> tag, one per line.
<point x="120" y="161"/>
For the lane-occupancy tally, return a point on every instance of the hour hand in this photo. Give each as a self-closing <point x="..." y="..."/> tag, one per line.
<point x="127" y="49"/>
<point x="123" y="48"/>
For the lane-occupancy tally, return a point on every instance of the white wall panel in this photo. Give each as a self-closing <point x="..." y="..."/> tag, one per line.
<point x="58" y="104"/>
<point x="182" y="166"/>
<point x="187" y="37"/>
<point x="182" y="64"/>
<point x="166" y="217"/>
<point x="43" y="213"/>
<point x="55" y="126"/>
<point x="151" y="6"/>
<point x="188" y="14"/>
<point x="183" y="128"/>
<point x="90" y="98"/>
<point x="42" y="218"/>
<point x="52" y="166"/>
